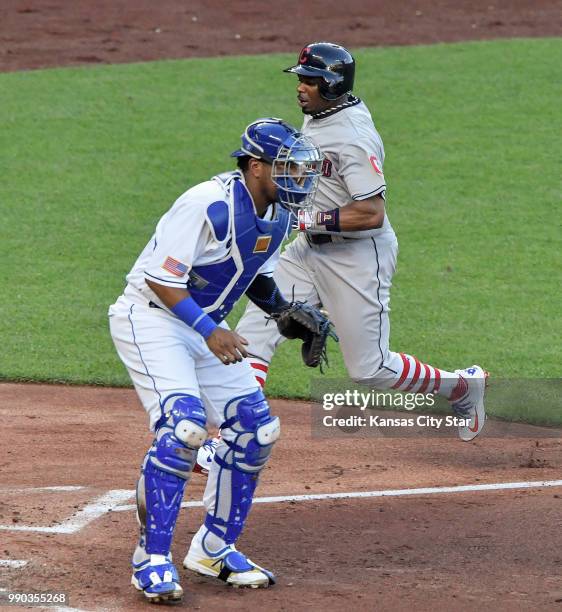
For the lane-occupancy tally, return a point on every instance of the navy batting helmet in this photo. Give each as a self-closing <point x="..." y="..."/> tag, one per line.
<point x="330" y="62"/>
<point x="295" y="160"/>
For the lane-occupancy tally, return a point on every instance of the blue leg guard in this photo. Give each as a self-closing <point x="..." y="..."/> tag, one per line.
<point x="249" y="433"/>
<point x="159" y="582"/>
<point x="166" y="470"/>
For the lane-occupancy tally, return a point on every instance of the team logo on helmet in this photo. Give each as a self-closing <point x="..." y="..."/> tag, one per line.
<point x="304" y="55"/>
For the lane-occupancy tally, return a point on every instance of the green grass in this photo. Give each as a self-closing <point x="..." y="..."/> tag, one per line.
<point x="92" y="157"/>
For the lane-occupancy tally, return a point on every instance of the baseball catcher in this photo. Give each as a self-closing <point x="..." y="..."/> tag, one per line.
<point x="219" y="240"/>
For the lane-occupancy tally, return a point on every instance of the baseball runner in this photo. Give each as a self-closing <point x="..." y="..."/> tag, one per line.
<point x="219" y="240"/>
<point x="344" y="256"/>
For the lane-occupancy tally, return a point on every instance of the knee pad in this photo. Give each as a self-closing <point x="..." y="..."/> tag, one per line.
<point x="250" y="431"/>
<point x="166" y="469"/>
<point x="178" y="436"/>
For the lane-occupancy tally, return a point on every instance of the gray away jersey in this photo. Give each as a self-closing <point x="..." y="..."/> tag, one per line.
<point x="354" y="157"/>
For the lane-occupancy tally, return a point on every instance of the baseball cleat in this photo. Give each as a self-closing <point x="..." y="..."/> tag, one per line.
<point x="230" y="566"/>
<point x="471" y="404"/>
<point x="205" y="456"/>
<point x="158" y="579"/>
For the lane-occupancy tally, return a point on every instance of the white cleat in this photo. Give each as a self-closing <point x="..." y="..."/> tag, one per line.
<point x="205" y="456"/>
<point x="230" y="566"/>
<point x="471" y="404"/>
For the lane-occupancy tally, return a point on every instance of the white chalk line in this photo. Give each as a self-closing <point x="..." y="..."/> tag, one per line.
<point x="383" y="493"/>
<point x="110" y="502"/>
<point x="13" y="563"/>
<point x="103" y="504"/>
<point x="64" y="609"/>
<point x="43" y="489"/>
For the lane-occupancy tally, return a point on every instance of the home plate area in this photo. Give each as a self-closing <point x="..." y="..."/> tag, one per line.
<point x="370" y="522"/>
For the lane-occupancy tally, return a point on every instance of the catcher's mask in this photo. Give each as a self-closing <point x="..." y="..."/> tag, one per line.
<point x="295" y="160"/>
<point x="330" y="62"/>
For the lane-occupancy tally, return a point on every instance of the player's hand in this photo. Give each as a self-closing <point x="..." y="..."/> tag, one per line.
<point x="227" y="345"/>
<point x="305" y="220"/>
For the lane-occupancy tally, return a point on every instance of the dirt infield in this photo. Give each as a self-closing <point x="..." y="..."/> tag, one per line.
<point x="497" y="548"/>
<point x="47" y="33"/>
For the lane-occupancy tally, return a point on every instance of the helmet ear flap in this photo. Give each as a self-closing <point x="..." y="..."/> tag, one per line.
<point x="328" y="89"/>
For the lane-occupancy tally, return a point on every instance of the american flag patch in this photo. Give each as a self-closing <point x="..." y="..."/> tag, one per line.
<point x="174" y="266"/>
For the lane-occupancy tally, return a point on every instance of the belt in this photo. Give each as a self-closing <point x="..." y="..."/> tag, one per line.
<point x="325" y="238"/>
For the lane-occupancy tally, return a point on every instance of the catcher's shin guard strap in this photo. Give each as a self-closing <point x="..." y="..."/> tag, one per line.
<point x="249" y="433"/>
<point x="156" y="579"/>
<point x="236" y="563"/>
<point x="166" y="469"/>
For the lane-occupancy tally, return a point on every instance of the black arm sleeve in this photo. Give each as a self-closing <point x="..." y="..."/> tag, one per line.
<point x="266" y="295"/>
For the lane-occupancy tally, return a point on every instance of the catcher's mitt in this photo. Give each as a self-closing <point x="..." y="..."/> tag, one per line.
<point x="301" y="320"/>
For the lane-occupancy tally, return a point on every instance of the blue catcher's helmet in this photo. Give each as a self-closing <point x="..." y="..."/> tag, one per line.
<point x="295" y="160"/>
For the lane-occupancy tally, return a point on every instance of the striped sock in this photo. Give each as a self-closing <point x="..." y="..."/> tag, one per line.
<point x="261" y="369"/>
<point x="417" y="377"/>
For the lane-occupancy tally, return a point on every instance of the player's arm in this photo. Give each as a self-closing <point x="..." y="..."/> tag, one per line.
<point x="265" y="294"/>
<point x="222" y="342"/>
<point x="361" y="171"/>
<point x="353" y="217"/>
<point x="362" y="214"/>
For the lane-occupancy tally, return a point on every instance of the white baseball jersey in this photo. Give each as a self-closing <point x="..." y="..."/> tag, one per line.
<point x="185" y="238"/>
<point x="163" y="355"/>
